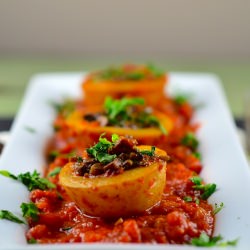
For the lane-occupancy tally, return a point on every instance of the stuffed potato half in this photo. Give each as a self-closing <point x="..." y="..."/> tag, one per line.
<point x="131" y="192"/>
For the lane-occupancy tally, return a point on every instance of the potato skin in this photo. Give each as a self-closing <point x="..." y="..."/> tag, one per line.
<point x="129" y="193"/>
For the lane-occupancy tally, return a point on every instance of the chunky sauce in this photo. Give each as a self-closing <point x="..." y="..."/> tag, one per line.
<point x="175" y="219"/>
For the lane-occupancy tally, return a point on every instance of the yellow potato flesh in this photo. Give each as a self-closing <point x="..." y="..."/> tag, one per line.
<point x="129" y="193"/>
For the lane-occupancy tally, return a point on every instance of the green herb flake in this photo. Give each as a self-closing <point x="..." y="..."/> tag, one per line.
<point x="207" y="189"/>
<point x="155" y="71"/>
<point x="115" y="138"/>
<point x="181" y="98"/>
<point x="196" y="180"/>
<point x="30" y="129"/>
<point x="118" y="112"/>
<point x="135" y="76"/>
<point x="116" y="109"/>
<point x="6" y="215"/>
<point x="32" y="241"/>
<point x="197" y="155"/>
<point x="30" y="210"/>
<point x="148" y="152"/>
<point x="66" y="229"/>
<point x="8" y="174"/>
<point x="187" y="199"/>
<point x="197" y="201"/>
<point x="190" y="141"/>
<point x="31" y="181"/>
<point x="205" y="241"/>
<point x="218" y="208"/>
<point x="65" y="108"/>
<point x="54" y="172"/>
<point x="79" y="159"/>
<point x="100" y="151"/>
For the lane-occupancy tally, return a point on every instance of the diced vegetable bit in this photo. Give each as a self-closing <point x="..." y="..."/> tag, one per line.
<point x="54" y="172"/>
<point x="30" y="211"/>
<point x="31" y="181"/>
<point x="207" y="190"/>
<point x="218" y="208"/>
<point x="148" y="152"/>
<point x="120" y="112"/>
<point x="65" y="108"/>
<point x="205" y="241"/>
<point x="190" y="141"/>
<point x="4" y="214"/>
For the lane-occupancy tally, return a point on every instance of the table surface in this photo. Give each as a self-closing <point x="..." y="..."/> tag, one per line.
<point x="16" y="72"/>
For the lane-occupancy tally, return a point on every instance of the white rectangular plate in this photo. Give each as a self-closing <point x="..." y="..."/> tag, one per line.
<point x="223" y="158"/>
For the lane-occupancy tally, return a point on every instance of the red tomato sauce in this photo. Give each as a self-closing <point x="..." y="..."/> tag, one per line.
<point x="172" y="220"/>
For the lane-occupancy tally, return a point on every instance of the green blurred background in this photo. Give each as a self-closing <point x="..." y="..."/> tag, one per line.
<point x="15" y="75"/>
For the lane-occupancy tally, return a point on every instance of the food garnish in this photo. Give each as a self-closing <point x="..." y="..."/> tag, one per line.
<point x="207" y="189"/>
<point x="31" y="181"/>
<point x="55" y="171"/>
<point x="205" y="241"/>
<point x="126" y="112"/>
<point x="190" y="141"/>
<point x="7" y="215"/>
<point x="218" y="208"/>
<point x="30" y="211"/>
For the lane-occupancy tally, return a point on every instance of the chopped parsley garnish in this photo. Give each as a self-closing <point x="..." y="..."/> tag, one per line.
<point x="148" y="152"/>
<point x="30" y="210"/>
<point x="205" y="241"/>
<point x="117" y="109"/>
<point x="120" y="112"/>
<point x="31" y="181"/>
<point x="54" y="172"/>
<point x="5" y="214"/>
<point x="100" y="150"/>
<point x="207" y="190"/>
<point x="190" y="141"/>
<point x="218" y="208"/>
